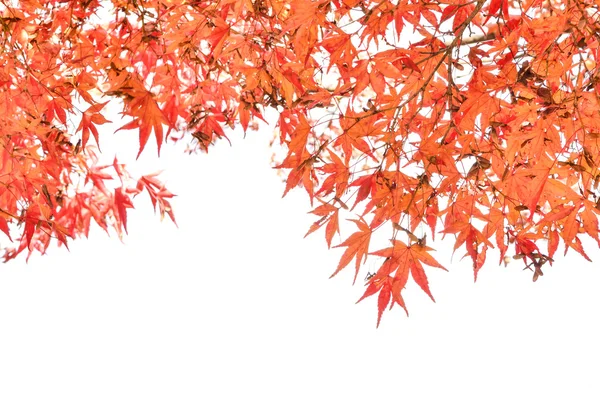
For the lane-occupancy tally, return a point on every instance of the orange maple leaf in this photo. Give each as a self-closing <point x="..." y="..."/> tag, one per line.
<point x="147" y="116"/>
<point x="358" y="246"/>
<point x="90" y="118"/>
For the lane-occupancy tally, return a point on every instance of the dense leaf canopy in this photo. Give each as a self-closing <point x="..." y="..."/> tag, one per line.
<point x="478" y="119"/>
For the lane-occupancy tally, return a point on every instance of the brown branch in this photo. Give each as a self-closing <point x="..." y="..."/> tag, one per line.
<point x="477" y="39"/>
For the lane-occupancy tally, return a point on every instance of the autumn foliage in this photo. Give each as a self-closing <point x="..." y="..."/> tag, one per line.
<point x="412" y="119"/>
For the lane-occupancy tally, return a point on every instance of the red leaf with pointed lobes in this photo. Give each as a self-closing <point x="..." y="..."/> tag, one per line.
<point x="332" y="227"/>
<point x="577" y="246"/>
<point x="406" y="61"/>
<point x="158" y="195"/>
<point x="525" y="246"/>
<point x="421" y="253"/>
<point x="372" y="289"/>
<point x="377" y="82"/>
<point x="90" y="118"/>
<point x="4" y="227"/>
<point x="479" y="261"/>
<point x="314" y="227"/>
<point x="324" y="209"/>
<point x="357" y="247"/>
<point x="404" y="259"/>
<point x="570" y="229"/>
<point x="147" y="118"/>
<point x="398" y="284"/>
<point x="505" y="10"/>
<point x="471" y="244"/>
<point x="558" y="213"/>
<point x="431" y="215"/>
<point x="590" y="222"/>
<point x="494" y="8"/>
<point x="383" y="300"/>
<point x="122" y="203"/>
<point x="244" y="115"/>
<point x="531" y="184"/>
<point x="388" y="70"/>
<point x="448" y="12"/>
<point x="460" y="17"/>
<point x="418" y="274"/>
<point x="552" y="242"/>
<point x="171" y="113"/>
<point x="365" y="183"/>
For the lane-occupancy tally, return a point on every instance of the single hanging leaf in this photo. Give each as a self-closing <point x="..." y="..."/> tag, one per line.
<point x="90" y="118"/>
<point x="147" y="117"/>
<point x="357" y="247"/>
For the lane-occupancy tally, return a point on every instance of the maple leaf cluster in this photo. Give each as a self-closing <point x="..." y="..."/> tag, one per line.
<point x="477" y="119"/>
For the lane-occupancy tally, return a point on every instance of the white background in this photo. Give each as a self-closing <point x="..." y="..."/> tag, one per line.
<point x="235" y="302"/>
